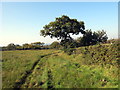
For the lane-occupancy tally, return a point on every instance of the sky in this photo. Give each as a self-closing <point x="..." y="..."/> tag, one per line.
<point x="22" y="21"/>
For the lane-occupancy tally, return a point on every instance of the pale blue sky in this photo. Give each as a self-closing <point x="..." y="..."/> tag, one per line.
<point x="22" y="21"/>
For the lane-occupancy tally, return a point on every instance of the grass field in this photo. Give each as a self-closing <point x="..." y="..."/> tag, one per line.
<point x="17" y="63"/>
<point x="56" y="69"/>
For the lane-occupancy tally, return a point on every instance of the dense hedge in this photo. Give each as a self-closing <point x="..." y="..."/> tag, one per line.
<point x="100" y="54"/>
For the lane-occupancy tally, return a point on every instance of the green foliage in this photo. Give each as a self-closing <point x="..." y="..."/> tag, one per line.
<point x="100" y="36"/>
<point x="62" y="27"/>
<point x="11" y="46"/>
<point x="99" y="55"/>
<point x="26" y="46"/>
<point x="38" y="43"/>
<point x="55" y="45"/>
<point x="92" y="38"/>
<point x="18" y="47"/>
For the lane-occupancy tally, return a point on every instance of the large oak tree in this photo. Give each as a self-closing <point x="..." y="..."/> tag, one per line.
<point x="62" y="27"/>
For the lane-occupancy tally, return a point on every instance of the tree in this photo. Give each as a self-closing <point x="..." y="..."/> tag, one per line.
<point x="26" y="46"/>
<point x="100" y="36"/>
<point x="78" y="42"/>
<point x="37" y="43"/>
<point x="61" y="29"/>
<point x="18" y="47"/>
<point x="55" y="45"/>
<point x="87" y="38"/>
<point x="11" y="46"/>
<point x="92" y="38"/>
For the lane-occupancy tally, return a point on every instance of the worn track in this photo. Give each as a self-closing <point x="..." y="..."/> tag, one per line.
<point x="27" y="73"/>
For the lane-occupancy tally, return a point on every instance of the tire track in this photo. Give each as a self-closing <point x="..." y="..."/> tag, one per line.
<point x="27" y="73"/>
<point x="50" y="84"/>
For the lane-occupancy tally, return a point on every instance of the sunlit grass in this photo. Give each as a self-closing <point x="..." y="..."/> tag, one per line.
<point x="16" y="63"/>
<point x="68" y="74"/>
<point x="90" y="67"/>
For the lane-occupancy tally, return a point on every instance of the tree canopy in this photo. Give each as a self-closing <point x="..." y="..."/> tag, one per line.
<point x="92" y="38"/>
<point x="55" y="45"/>
<point x="62" y="27"/>
<point x="11" y="46"/>
<point x="38" y="43"/>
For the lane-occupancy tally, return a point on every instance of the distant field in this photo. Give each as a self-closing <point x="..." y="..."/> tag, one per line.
<point x="88" y="67"/>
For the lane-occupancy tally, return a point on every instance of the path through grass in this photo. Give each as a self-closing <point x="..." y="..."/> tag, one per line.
<point x="55" y="69"/>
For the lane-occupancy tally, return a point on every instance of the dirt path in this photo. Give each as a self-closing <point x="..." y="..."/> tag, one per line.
<point x="23" y="79"/>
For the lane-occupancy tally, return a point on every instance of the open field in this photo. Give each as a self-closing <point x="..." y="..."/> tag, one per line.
<point x="17" y="63"/>
<point x="88" y="67"/>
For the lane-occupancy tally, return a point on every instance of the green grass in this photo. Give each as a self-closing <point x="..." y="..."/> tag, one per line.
<point x="16" y="63"/>
<point x="60" y="70"/>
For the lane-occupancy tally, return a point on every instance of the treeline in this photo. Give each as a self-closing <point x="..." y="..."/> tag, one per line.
<point x="54" y="45"/>
<point x="26" y="46"/>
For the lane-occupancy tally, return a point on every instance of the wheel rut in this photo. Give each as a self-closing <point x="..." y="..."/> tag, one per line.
<point x="50" y="84"/>
<point x="27" y="73"/>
